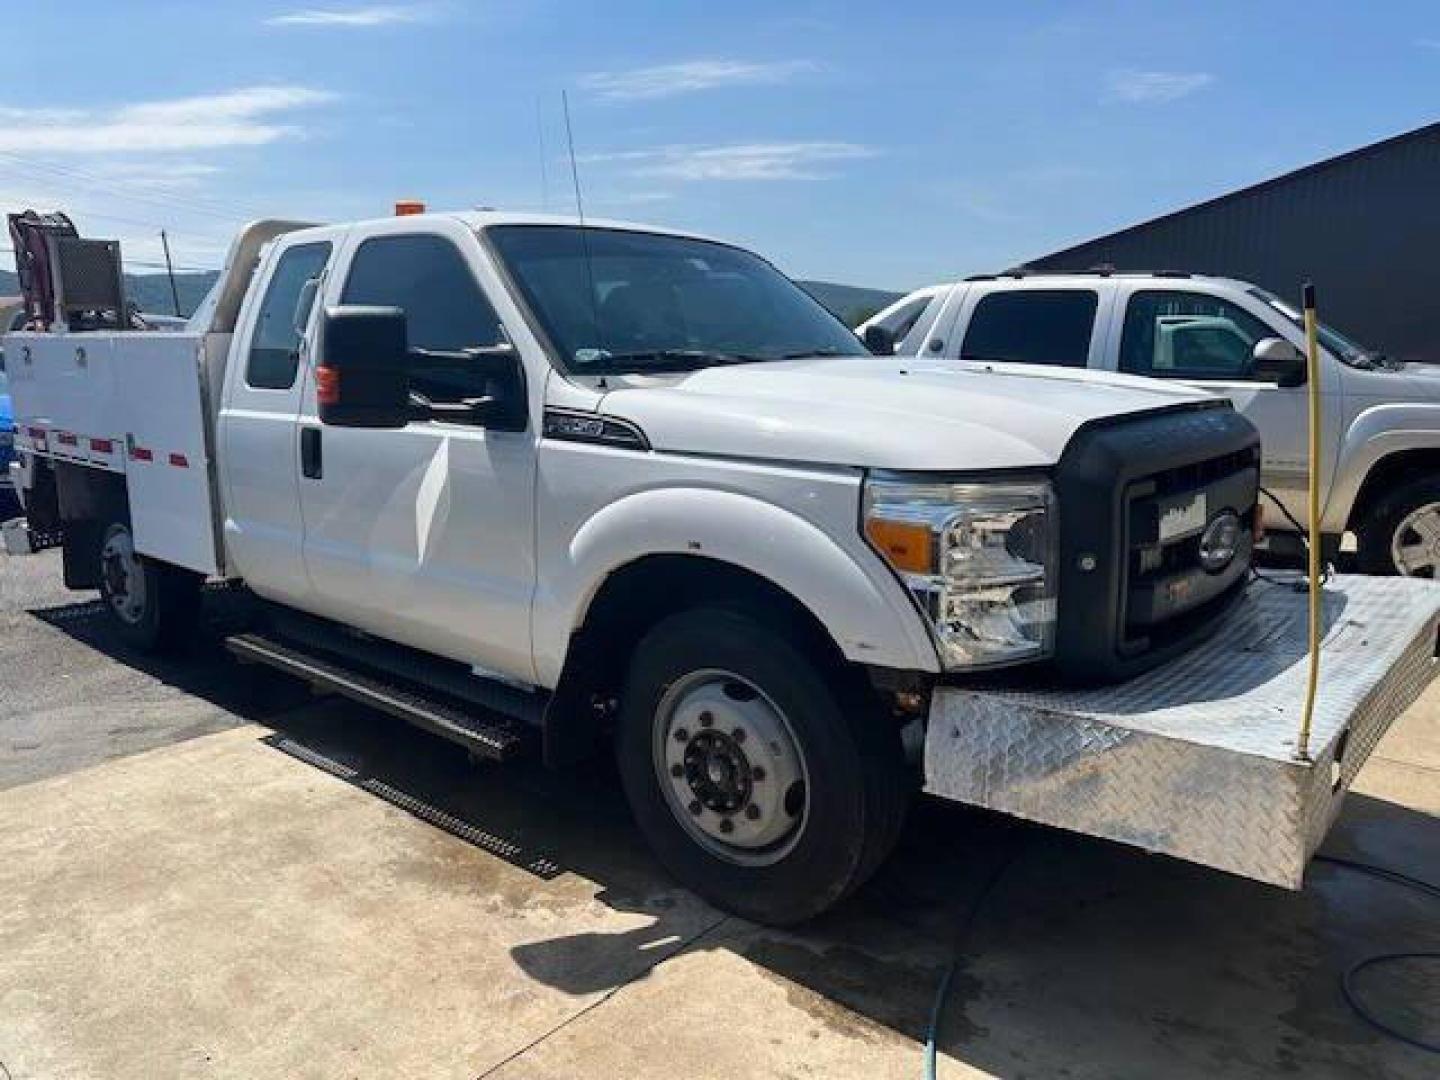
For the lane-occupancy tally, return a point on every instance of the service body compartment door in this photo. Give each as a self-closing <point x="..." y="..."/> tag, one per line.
<point x="160" y="407"/>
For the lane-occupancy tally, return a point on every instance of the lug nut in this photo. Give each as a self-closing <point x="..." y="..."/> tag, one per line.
<point x="752" y="812"/>
<point x="707" y="720"/>
<point x="677" y="769"/>
<point x="726" y="825"/>
<point x="695" y="806"/>
<point x="681" y="735"/>
<point x="738" y="734"/>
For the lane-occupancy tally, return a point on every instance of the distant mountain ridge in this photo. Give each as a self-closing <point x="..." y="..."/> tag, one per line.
<point x="151" y="292"/>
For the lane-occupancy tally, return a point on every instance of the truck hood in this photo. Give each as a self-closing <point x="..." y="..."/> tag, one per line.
<point x="906" y="413"/>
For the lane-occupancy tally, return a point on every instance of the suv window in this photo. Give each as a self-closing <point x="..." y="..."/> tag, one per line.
<point x="445" y="311"/>
<point x="902" y="320"/>
<point x="275" y="345"/>
<point x="1185" y="335"/>
<point x="1033" y="326"/>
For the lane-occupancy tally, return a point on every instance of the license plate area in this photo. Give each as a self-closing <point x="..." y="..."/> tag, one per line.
<point x="1183" y="516"/>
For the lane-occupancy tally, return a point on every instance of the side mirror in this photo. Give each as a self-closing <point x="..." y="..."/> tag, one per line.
<point x="502" y="405"/>
<point x="362" y="378"/>
<point x="879" y="340"/>
<point x="1276" y="358"/>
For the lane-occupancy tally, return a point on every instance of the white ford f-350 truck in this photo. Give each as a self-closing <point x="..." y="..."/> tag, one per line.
<point x="1380" y="419"/>
<point x="523" y="479"/>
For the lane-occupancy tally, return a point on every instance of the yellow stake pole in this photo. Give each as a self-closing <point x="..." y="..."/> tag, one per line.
<point x="1312" y="363"/>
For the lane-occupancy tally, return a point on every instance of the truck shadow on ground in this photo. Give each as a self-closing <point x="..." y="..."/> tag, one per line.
<point x="1083" y="959"/>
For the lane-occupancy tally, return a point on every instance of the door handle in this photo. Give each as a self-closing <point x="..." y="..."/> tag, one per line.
<point x="311" y="462"/>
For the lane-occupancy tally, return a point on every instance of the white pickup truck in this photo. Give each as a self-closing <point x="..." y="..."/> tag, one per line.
<point x="511" y="477"/>
<point x="1380" y="421"/>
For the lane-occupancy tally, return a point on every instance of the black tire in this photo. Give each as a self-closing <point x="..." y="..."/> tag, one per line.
<point x="859" y="787"/>
<point x="1376" y="532"/>
<point x="167" y="601"/>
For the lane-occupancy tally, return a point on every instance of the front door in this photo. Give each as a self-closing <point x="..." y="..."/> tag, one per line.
<point x="1208" y="342"/>
<point x="257" y="428"/>
<point x="425" y="534"/>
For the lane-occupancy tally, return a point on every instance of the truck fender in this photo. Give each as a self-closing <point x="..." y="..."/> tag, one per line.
<point x="1375" y="434"/>
<point x="863" y="607"/>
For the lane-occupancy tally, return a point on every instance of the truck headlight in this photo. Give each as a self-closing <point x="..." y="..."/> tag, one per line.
<point x="979" y="559"/>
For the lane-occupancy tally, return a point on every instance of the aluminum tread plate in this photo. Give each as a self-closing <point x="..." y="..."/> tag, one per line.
<point x="1197" y="758"/>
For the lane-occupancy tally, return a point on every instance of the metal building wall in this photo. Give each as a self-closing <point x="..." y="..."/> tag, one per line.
<point x="1365" y="227"/>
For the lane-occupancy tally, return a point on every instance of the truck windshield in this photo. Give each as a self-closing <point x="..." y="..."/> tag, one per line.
<point x="1349" y="351"/>
<point x="616" y="301"/>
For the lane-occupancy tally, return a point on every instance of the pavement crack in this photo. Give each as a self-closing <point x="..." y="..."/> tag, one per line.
<point x="693" y="939"/>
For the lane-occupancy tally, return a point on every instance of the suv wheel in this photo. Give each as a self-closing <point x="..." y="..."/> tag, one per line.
<point x="153" y="606"/>
<point x="751" y="781"/>
<point x="1401" y="533"/>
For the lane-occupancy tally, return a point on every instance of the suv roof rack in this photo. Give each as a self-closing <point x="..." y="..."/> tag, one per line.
<point x="1104" y="270"/>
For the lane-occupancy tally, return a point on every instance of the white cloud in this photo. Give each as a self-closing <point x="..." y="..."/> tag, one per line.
<point x="245" y="117"/>
<point x="741" y="161"/>
<point x="1147" y="87"/>
<point x="690" y="76"/>
<point x="353" y="18"/>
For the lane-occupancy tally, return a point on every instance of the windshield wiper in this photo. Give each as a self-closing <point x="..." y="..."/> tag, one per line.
<point x="826" y="350"/>
<point x="661" y="361"/>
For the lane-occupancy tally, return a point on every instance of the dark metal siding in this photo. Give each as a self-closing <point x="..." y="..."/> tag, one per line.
<point x="1365" y="227"/>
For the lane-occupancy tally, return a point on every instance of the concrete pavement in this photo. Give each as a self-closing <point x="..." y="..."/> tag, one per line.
<point x="235" y="879"/>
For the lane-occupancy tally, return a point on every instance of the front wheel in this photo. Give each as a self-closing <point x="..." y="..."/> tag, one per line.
<point x="756" y="785"/>
<point x="1401" y="532"/>
<point x="153" y="606"/>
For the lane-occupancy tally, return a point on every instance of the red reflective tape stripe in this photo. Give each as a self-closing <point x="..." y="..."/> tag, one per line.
<point x="64" y="438"/>
<point x="102" y="446"/>
<point x="139" y="453"/>
<point x="179" y="461"/>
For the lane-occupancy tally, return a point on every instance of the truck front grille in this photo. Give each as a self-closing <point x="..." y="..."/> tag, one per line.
<point x="1131" y="590"/>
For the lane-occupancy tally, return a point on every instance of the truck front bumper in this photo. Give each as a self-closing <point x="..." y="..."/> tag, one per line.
<point x="1198" y="758"/>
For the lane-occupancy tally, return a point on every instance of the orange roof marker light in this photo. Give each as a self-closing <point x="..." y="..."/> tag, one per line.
<point x="407" y="207"/>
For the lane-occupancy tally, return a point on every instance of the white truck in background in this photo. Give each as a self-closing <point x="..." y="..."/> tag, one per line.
<point x="517" y="478"/>
<point x="1380" y="423"/>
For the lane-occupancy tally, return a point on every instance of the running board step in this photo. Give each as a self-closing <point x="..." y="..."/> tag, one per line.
<point x="493" y="736"/>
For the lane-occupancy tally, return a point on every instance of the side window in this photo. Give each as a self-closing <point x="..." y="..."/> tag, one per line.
<point x="275" y="345"/>
<point x="1185" y="335"/>
<point x="900" y="321"/>
<point x="445" y="311"/>
<point x="1033" y="326"/>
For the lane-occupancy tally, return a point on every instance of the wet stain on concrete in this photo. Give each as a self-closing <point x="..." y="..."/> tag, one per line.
<point x="862" y="996"/>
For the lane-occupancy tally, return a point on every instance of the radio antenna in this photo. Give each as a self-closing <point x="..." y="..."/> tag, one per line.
<point x="580" y="213"/>
<point x="574" y="170"/>
<point x="544" y="173"/>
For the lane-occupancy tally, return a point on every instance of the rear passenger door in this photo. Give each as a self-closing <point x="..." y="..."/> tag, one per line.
<point x="1033" y="324"/>
<point x="257" y="426"/>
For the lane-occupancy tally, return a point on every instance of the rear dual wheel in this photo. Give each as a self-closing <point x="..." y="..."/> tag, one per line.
<point x="763" y="776"/>
<point x="153" y="606"/>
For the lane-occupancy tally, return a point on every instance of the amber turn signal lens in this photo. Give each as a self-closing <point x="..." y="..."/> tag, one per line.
<point x="905" y="546"/>
<point x="327" y="386"/>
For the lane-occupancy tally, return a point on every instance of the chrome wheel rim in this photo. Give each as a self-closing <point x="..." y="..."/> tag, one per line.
<point x="1415" y="544"/>
<point x="730" y="767"/>
<point x="122" y="576"/>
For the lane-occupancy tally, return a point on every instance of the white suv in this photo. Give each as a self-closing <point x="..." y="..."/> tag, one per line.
<point x="1380" y="427"/>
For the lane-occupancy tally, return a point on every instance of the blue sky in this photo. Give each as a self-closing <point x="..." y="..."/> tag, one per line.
<point x="887" y="144"/>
